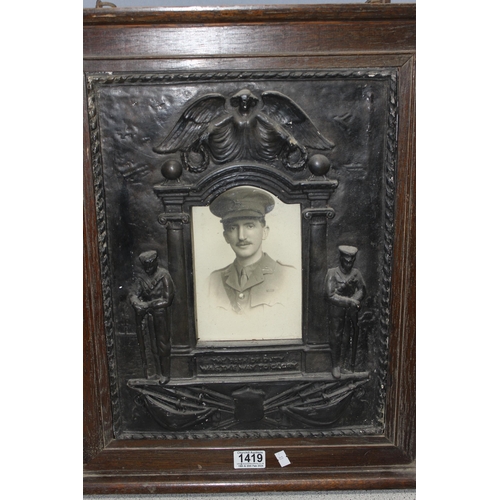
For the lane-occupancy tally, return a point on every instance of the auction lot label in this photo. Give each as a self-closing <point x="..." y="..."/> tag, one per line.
<point x="249" y="459"/>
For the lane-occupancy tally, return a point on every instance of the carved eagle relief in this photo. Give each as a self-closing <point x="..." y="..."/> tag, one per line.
<point x="246" y="127"/>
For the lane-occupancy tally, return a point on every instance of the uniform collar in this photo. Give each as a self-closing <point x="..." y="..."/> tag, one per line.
<point x="344" y="277"/>
<point x="151" y="281"/>
<point x="265" y="265"/>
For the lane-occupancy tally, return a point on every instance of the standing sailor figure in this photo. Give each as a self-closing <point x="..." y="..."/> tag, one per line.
<point x="345" y="289"/>
<point x="152" y="294"/>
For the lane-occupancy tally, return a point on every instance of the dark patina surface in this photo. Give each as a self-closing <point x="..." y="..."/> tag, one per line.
<point x="169" y="142"/>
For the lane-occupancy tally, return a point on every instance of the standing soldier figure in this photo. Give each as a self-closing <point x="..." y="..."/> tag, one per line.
<point x="152" y="294"/>
<point x="345" y="290"/>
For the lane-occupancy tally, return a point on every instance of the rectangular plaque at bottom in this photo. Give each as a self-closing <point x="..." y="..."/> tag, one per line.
<point x="249" y="459"/>
<point x="219" y="364"/>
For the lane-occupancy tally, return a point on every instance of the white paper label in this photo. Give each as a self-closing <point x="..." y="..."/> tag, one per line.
<point x="249" y="459"/>
<point x="282" y="458"/>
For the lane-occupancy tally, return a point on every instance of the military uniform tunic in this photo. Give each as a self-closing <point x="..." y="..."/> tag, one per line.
<point x="266" y="285"/>
<point x="338" y="285"/>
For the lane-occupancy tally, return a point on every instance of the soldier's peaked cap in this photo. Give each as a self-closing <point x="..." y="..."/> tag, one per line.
<point x="148" y="255"/>
<point x="242" y="202"/>
<point x="348" y="250"/>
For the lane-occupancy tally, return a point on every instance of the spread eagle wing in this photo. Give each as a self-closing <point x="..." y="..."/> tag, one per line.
<point x="290" y="116"/>
<point x="193" y="123"/>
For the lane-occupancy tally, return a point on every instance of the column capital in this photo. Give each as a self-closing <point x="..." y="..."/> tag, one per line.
<point x="318" y="215"/>
<point x="173" y="220"/>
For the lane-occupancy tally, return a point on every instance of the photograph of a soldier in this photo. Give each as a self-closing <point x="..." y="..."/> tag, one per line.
<point x="255" y="294"/>
<point x="345" y="290"/>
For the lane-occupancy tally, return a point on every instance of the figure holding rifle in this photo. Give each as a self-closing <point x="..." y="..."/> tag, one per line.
<point x="152" y="294"/>
<point x="345" y="289"/>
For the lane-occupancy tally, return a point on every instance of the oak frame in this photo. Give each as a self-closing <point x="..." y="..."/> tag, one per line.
<point x="317" y="37"/>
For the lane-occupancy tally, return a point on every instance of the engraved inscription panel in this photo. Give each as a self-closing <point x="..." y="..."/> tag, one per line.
<point x="249" y="363"/>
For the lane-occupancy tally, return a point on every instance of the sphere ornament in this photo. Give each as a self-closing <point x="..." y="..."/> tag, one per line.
<point x="171" y="170"/>
<point x="319" y="164"/>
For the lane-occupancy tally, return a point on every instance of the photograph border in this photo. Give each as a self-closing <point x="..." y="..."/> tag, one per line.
<point x="208" y="243"/>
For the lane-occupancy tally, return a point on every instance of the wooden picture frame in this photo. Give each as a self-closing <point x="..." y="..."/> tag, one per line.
<point x="221" y="47"/>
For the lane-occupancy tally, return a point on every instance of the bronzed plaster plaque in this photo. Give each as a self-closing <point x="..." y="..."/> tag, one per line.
<point x="167" y="149"/>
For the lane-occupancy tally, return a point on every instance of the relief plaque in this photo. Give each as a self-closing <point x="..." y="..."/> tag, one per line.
<point x="246" y="244"/>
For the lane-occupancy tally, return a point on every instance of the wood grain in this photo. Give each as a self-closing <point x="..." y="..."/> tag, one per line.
<point x="249" y="38"/>
<point x="97" y="406"/>
<point x="247" y="14"/>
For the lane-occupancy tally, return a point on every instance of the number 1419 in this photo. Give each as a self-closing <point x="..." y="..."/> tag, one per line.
<point x="249" y="459"/>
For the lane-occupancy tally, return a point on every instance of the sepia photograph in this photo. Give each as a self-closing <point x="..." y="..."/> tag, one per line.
<point x="247" y="267"/>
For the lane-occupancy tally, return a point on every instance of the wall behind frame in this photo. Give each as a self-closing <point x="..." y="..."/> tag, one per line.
<point x="90" y="4"/>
